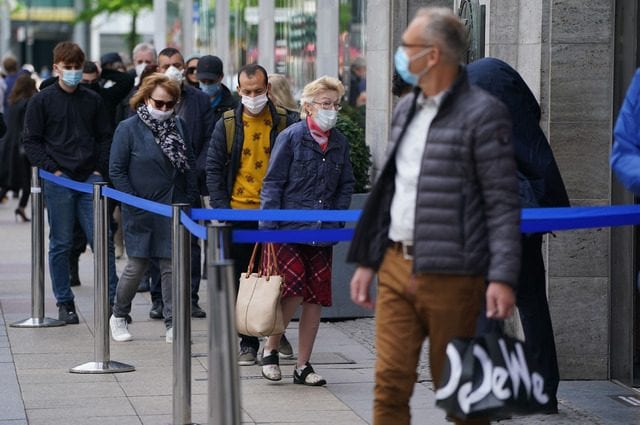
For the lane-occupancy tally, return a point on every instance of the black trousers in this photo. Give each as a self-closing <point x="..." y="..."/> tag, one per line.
<point x="531" y="299"/>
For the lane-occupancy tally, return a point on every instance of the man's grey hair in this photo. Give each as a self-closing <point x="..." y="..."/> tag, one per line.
<point x="444" y="27"/>
<point x="144" y="47"/>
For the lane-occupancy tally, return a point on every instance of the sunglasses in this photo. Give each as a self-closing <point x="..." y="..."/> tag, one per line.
<point x="191" y="70"/>
<point x="162" y="103"/>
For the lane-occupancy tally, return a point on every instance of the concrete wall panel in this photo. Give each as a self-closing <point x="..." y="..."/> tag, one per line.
<point x="582" y="152"/>
<point x="579" y="310"/>
<point x="580" y="80"/>
<point x="582" y="21"/>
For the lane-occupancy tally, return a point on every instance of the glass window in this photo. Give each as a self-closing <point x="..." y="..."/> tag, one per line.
<point x="295" y="37"/>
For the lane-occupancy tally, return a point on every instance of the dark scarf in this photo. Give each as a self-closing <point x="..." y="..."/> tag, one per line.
<point x="167" y="136"/>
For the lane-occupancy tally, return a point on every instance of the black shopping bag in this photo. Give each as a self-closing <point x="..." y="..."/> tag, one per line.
<point x="490" y="376"/>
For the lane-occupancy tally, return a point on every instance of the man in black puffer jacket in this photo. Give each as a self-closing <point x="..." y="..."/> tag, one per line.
<point x="443" y="216"/>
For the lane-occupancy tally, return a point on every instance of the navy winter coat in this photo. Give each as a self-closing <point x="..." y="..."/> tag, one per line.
<point x="138" y="166"/>
<point x="540" y="181"/>
<point x="221" y="166"/>
<point x="302" y="176"/>
<point x="195" y="109"/>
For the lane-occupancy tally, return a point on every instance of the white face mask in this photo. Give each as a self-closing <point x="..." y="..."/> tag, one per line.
<point x="174" y="73"/>
<point x="326" y="119"/>
<point x="140" y="67"/>
<point x="255" y="105"/>
<point x="158" y="114"/>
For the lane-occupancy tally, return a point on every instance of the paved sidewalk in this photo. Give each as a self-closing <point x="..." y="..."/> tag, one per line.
<point x="37" y="388"/>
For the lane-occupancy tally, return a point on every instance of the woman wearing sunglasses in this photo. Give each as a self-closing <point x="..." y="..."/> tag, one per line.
<point x="190" y="71"/>
<point x="151" y="157"/>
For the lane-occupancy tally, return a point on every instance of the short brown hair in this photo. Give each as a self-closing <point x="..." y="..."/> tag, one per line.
<point x="149" y="85"/>
<point x="69" y="53"/>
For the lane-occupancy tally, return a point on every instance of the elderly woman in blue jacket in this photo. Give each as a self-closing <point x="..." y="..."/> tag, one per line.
<point x="309" y="169"/>
<point x="152" y="158"/>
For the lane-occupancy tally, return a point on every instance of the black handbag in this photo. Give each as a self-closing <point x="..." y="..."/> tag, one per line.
<point x="490" y="376"/>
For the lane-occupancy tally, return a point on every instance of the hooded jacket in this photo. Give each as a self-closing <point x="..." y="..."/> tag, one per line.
<point x="539" y="178"/>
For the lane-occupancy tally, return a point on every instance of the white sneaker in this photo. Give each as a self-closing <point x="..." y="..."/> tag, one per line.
<point x="169" y="335"/>
<point x="119" y="329"/>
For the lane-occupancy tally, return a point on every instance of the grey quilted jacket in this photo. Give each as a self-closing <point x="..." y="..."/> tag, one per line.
<point x="467" y="218"/>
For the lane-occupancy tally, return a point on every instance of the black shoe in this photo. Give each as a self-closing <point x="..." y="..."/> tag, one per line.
<point x="552" y="407"/>
<point x="197" y="312"/>
<point x="67" y="313"/>
<point x="156" y="310"/>
<point x="308" y="377"/>
<point x="144" y="286"/>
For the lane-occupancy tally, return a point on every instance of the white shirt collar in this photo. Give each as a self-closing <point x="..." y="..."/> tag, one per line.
<point x="434" y="101"/>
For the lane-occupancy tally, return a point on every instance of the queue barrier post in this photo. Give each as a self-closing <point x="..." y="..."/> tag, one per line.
<point x="224" y="394"/>
<point x="181" y="301"/>
<point x="37" y="319"/>
<point x="102" y="362"/>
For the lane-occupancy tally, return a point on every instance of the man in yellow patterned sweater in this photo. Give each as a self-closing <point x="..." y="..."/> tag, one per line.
<point x="235" y="168"/>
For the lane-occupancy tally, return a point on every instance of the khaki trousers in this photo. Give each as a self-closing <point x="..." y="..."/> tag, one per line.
<point x="408" y="309"/>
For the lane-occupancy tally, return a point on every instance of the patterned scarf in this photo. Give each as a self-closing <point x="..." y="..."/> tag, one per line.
<point x="167" y="136"/>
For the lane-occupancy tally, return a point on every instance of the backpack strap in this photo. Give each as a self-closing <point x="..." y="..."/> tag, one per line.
<point x="229" y="127"/>
<point x="282" y="121"/>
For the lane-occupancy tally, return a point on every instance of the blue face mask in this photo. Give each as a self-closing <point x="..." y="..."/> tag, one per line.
<point x="401" y="61"/>
<point x="210" y="90"/>
<point x="71" y="77"/>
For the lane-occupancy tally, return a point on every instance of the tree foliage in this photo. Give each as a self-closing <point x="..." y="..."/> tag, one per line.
<point x="94" y="8"/>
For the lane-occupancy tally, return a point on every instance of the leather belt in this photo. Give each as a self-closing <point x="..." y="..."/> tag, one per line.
<point x="406" y="248"/>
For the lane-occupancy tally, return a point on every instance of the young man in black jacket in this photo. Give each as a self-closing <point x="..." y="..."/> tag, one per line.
<point x="66" y="133"/>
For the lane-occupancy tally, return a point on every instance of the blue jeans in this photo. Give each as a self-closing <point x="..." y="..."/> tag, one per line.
<point x="64" y="207"/>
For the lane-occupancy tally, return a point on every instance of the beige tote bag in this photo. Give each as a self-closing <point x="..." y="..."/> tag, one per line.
<point x="258" y="310"/>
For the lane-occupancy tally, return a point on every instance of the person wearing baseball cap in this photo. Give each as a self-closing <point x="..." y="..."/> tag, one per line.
<point x="210" y="74"/>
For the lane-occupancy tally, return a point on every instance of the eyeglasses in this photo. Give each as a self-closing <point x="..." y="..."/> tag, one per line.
<point x="191" y="70"/>
<point x="162" y="103"/>
<point x="329" y="105"/>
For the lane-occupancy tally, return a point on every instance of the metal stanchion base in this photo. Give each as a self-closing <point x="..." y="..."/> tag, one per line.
<point x="102" y="367"/>
<point x="34" y="322"/>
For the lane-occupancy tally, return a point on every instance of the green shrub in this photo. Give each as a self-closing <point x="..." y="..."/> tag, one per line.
<point x="360" y="153"/>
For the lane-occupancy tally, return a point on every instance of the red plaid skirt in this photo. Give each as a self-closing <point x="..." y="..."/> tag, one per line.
<point x="306" y="271"/>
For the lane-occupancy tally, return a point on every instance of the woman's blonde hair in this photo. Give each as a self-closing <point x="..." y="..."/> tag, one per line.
<point x="312" y="89"/>
<point x="280" y="92"/>
<point x="149" y="84"/>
